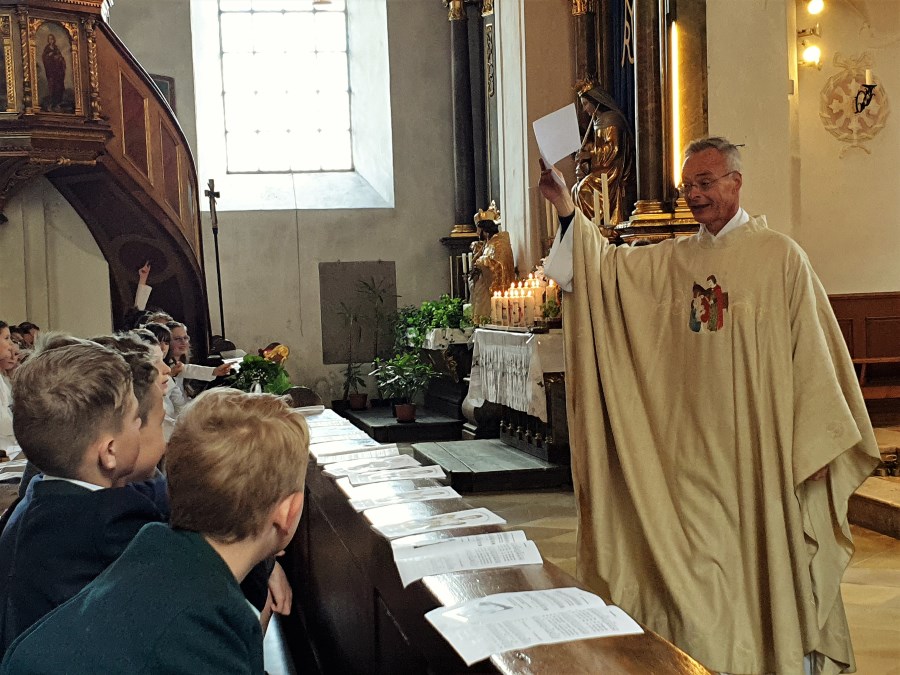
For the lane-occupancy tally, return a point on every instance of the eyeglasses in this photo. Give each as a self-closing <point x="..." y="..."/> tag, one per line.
<point x="704" y="185"/>
<point x="186" y="338"/>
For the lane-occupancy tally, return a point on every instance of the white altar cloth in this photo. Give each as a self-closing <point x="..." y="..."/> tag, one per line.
<point x="508" y="368"/>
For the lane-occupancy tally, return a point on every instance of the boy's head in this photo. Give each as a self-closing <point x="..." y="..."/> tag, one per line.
<point x="236" y="467"/>
<point x="75" y="414"/>
<point x="145" y="379"/>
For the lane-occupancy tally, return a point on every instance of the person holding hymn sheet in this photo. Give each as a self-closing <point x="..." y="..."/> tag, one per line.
<point x="717" y="430"/>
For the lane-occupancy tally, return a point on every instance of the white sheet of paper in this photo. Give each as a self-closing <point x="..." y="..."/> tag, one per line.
<point x="374" y="489"/>
<point x="376" y="464"/>
<point x="385" y="451"/>
<point x="497" y="623"/>
<point x="557" y="135"/>
<point x="312" y="410"/>
<point x="423" y="494"/>
<point x="366" y="477"/>
<point x="341" y="434"/>
<point x="323" y="431"/>
<point x="413" y="546"/>
<point x="440" y="521"/>
<point x="467" y="558"/>
<point x="337" y="447"/>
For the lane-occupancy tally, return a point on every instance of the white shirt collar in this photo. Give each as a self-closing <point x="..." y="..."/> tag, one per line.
<point x="80" y="483"/>
<point x="739" y="218"/>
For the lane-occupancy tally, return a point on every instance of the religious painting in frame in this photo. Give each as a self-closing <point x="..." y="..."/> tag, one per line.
<point x="7" y="68"/>
<point x="166" y="86"/>
<point x="55" y="67"/>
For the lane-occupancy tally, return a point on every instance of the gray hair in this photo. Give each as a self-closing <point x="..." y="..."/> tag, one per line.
<point x="721" y="144"/>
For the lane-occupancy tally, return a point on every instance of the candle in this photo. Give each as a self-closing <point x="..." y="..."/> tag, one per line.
<point x="552" y="292"/>
<point x="549" y="217"/>
<point x="604" y="179"/>
<point x="869" y="79"/>
<point x="504" y="309"/>
<point x="554" y="222"/>
<point x="529" y="308"/>
<point x="471" y="260"/>
<point x="596" y="208"/>
<point x="465" y="263"/>
<point x="494" y="307"/>
<point x="520" y="309"/>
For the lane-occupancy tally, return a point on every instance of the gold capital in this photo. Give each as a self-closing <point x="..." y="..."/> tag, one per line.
<point x="455" y="10"/>
<point x="487" y="7"/>
<point x="580" y="7"/>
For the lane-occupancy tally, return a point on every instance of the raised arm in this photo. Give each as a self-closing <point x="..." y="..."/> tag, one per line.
<point x="558" y="263"/>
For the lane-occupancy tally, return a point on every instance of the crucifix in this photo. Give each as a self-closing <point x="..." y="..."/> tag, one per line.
<point x="214" y="219"/>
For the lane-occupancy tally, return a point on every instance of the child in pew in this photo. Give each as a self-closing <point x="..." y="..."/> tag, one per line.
<point x="171" y="603"/>
<point x="266" y="587"/>
<point x="77" y="419"/>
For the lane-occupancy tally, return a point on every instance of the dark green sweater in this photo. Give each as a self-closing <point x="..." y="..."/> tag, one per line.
<point x="169" y="604"/>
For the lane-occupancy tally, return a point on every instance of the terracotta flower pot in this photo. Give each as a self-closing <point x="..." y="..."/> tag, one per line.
<point x="406" y="412"/>
<point x="358" y="401"/>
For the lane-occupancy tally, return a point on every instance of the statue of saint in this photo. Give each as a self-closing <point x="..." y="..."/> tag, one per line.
<point x="609" y="148"/>
<point x="493" y="267"/>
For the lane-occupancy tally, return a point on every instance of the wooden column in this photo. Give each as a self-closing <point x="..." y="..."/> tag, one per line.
<point x="463" y="137"/>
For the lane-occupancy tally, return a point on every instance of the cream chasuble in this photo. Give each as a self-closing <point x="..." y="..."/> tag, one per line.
<point x="707" y="379"/>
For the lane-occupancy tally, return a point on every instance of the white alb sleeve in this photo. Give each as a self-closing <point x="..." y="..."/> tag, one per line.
<point x="558" y="264"/>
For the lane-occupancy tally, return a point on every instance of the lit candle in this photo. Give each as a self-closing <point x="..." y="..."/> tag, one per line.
<point x="604" y="180"/>
<point x="553" y="292"/>
<point x="494" y="308"/>
<point x="504" y="309"/>
<point x="869" y="79"/>
<point x="596" y="208"/>
<point x="520" y="308"/>
<point x="529" y="308"/>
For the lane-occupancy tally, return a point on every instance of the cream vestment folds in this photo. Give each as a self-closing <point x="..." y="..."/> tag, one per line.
<point x="707" y="380"/>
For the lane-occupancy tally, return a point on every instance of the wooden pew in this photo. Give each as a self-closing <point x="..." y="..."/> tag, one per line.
<point x="357" y="618"/>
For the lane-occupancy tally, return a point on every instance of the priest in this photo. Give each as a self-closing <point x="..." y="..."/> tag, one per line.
<point x="717" y="429"/>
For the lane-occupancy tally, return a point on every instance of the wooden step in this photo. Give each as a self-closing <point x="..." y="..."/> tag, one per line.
<point x="489" y="465"/>
<point x="381" y="425"/>
<point x="876" y="506"/>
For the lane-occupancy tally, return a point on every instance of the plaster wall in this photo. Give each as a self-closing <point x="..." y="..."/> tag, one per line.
<point x="51" y="270"/>
<point x="842" y="210"/>
<point x="750" y="101"/>
<point x="851" y="203"/>
<point x="269" y="259"/>
<point x="536" y="68"/>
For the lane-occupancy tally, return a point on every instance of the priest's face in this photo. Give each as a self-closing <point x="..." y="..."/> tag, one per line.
<point x="713" y="190"/>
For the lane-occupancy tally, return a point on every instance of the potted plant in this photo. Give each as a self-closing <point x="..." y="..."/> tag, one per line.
<point x="404" y="377"/>
<point x="260" y="374"/>
<point x="353" y="379"/>
<point x="376" y="292"/>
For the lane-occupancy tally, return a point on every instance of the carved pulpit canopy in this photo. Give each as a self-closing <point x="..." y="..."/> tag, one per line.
<point x="50" y="112"/>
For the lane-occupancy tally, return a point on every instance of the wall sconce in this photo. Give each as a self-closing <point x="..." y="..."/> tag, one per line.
<point x="815" y="6"/>
<point x="810" y="52"/>
<point x="864" y="95"/>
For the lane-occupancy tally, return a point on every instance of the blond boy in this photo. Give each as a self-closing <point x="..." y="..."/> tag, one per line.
<point x="77" y="419"/>
<point x="172" y="602"/>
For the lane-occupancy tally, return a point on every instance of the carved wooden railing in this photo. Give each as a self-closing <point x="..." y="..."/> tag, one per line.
<point x="76" y="106"/>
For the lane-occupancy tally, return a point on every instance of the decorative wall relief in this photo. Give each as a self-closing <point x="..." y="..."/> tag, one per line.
<point x="837" y="103"/>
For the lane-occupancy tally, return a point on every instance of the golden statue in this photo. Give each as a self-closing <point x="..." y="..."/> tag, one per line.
<point x="493" y="267"/>
<point x="610" y="152"/>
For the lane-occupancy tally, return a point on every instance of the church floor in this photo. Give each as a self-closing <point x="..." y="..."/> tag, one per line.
<point x="871" y="586"/>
